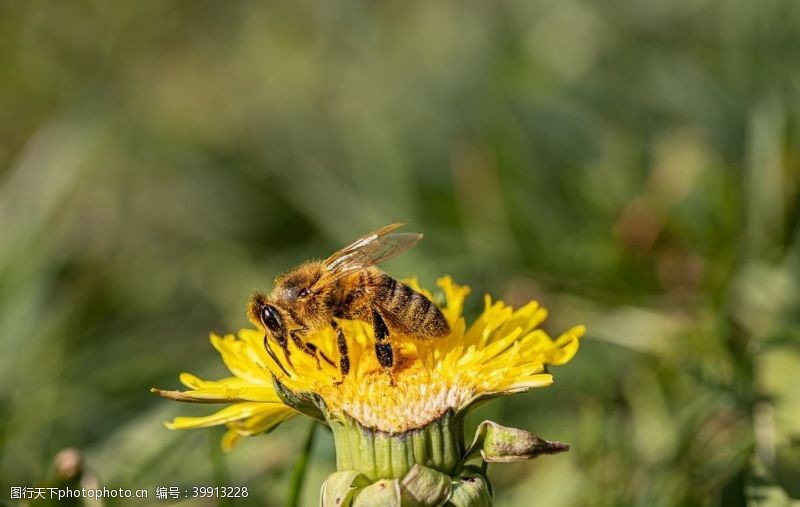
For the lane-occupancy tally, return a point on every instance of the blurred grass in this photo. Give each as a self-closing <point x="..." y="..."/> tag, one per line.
<point x="633" y="166"/>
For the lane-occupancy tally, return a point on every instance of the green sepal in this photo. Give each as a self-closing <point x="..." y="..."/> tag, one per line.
<point x="340" y="487"/>
<point x="501" y="444"/>
<point x="470" y="489"/>
<point x="424" y="487"/>
<point x="309" y="404"/>
<point x="421" y="487"/>
<point x="384" y="492"/>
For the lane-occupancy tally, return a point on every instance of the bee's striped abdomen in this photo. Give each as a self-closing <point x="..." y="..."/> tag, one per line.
<point x="407" y="310"/>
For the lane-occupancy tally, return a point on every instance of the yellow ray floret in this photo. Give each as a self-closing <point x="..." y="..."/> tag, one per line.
<point x="503" y="351"/>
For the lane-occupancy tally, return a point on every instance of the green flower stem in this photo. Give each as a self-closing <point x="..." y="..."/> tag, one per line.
<point x="380" y="455"/>
<point x="300" y="468"/>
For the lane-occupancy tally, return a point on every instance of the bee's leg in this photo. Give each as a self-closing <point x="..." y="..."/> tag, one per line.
<point x="308" y="348"/>
<point x="300" y="344"/>
<point x="273" y="356"/>
<point x="341" y="344"/>
<point x="315" y="350"/>
<point x="281" y="339"/>
<point x="383" y="349"/>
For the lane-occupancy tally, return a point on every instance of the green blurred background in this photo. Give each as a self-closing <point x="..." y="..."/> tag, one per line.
<point x="635" y="166"/>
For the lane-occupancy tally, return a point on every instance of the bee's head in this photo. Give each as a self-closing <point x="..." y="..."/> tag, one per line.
<point x="265" y="314"/>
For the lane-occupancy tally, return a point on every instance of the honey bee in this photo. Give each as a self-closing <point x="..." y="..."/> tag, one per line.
<point x="347" y="285"/>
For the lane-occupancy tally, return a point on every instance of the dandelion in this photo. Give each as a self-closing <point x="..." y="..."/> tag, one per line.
<point x="399" y="438"/>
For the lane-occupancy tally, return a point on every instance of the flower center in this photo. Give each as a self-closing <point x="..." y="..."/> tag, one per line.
<point x="408" y="399"/>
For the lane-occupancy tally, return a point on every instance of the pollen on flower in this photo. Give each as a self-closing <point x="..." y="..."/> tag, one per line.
<point x="414" y="400"/>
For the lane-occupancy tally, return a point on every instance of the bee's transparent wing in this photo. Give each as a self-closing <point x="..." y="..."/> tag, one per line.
<point x="366" y="251"/>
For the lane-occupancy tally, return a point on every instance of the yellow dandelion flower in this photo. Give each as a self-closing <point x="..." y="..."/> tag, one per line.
<point x="390" y="426"/>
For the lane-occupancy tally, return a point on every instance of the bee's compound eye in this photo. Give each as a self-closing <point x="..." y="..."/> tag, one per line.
<point x="271" y="318"/>
<point x="303" y="293"/>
